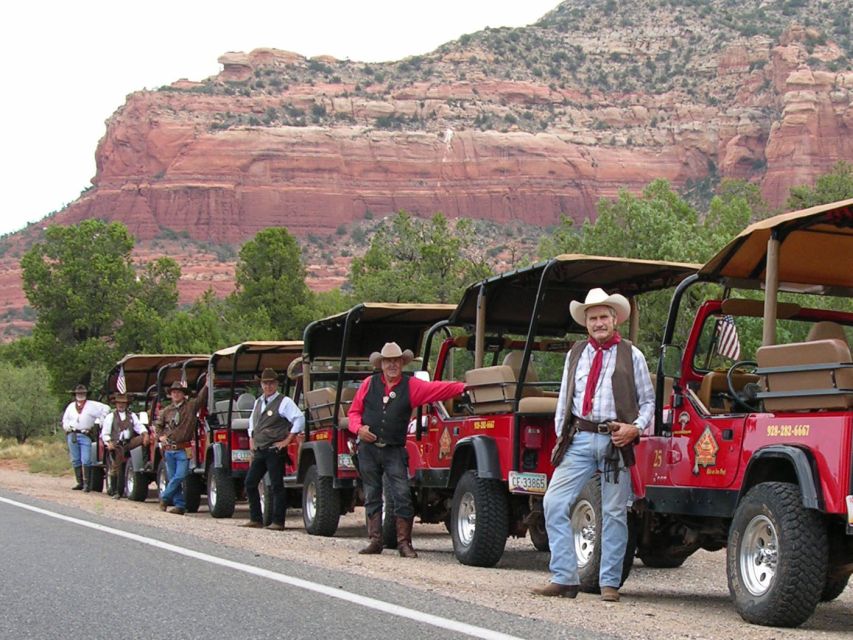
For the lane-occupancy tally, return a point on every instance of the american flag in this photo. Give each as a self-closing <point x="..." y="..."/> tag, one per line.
<point x="121" y="382"/>
<point x="728" y="344"/>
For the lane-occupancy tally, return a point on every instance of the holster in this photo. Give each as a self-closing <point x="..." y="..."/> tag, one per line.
<point x="564" y="441"/>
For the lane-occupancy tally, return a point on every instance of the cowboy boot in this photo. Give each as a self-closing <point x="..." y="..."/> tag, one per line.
<point x="78" y="473"/>
<point x="404" y="537"/>
<point x="87" y="479"/>
<point x="374" y="534"/>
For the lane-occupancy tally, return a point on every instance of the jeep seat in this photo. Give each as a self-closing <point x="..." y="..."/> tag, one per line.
<point x="806" y="376"/>
<point x="492" y="389"/>
<point x="513" y="361"/>
<point x="714" y="390"/>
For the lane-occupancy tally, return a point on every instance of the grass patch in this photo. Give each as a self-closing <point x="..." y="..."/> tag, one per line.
<point x="45" y="454"/>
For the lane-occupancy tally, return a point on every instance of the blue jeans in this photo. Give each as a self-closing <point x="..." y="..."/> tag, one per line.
<point x="177" y="466"/>
<point x="392" y="464"/>
<point x="584" y="457"/>
<point x="80" y="452"/>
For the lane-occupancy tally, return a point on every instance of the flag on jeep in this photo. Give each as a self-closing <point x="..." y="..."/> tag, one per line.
<point x="121" y="382"/>
<point x="728" y="344"/>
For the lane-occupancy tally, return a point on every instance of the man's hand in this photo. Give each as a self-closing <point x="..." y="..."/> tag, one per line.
<point x="365" y="434"/>
<point x="111" y="446"/>
<point x="283" y="444"/>
<point x="623" y="433"/>
<point x="164" y="439"/>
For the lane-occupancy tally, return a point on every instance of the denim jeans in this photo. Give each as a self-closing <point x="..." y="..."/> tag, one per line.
<point x="177" y="466"/>
<point x="393" y="461"/>
<point x="584" y="457"/>
<point x="266" y="461"/>
<point x="80" y="452"/>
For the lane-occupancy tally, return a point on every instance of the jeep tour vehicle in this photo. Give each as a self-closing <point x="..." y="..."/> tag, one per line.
<point x="483" y="466"/>
<point x="232" y="377"/>
<point x="752" y="447"/>
<point x="140" y="372"/>
<point x="335" y="361"/>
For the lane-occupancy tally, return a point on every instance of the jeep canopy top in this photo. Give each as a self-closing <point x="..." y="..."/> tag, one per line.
<point x="189" y="370"/>
<point x="510" y="297"/>
<point x="250" y="358"/>
<point x="140" y="369"/>
<point x="370" y="325"/>
<point x="812" y="251"/>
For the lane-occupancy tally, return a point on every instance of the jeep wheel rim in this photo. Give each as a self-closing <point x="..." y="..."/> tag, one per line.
<point x="161" y="483"/>
<point x="583" y="529"/>
<point x="759" y="554"/>
<point x="211" y="495"/>
<point x="466" y="520"/>
<point x="262" y="491"/>
<point x="310" y="502"/>
<point x="129" y="482"/>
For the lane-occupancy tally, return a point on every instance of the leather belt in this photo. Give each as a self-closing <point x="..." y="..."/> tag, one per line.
<point x="178" y="445"/>
<point x="603" y="428"/>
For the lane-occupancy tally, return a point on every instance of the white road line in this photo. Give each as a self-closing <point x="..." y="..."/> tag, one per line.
<point x="370" y="603"/>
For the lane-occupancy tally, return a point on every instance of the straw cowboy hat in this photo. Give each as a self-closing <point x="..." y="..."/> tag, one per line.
<point x="599" y="298"/>
<point x="391" y="350"/>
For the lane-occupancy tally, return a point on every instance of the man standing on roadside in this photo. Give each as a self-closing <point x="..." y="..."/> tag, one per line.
<point x="78" y="422"/>
<point x="121" y="432"/>
<point x="380" y="414"/>
<point x="274" y="423"/>
<point x="606" y="400"/>
<point x="175" y="428"/>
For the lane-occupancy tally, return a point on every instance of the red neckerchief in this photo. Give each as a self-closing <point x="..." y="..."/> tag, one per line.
<point x="80" y="407"/>
<point x="595" y="370"/>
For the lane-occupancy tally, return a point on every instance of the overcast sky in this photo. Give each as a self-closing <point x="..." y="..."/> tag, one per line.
<point x="67" y="66"/>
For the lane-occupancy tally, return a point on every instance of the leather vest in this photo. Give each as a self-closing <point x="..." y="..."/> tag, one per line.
<point x="388" y="420"/>
<point x="178" y="423"/>
<point x="120" y="425"/>
<point x="624" y="389"/>
<point x="267" y="425"/>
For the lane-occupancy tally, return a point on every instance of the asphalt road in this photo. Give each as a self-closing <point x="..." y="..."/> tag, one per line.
<point x="97" y="578"/>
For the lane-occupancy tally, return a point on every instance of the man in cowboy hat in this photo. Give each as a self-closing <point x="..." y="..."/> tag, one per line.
<point x="78" y="421"/>
<point x="175" y="428"/>
<point x="380" y="414"/>
<point x="606" y="400"/>
<point x="274" y="423"/>
<point x="121" y="432"/>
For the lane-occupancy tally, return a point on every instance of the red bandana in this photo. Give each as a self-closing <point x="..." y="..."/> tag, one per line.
<point x="595" y="370"/>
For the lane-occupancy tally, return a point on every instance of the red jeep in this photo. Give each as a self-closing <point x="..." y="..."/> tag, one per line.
<point x="335" y="361"/>
<point x="751" y="448"/>
<point x="483" y="467"/>
<point x="233" y="387"/>
<point x="141" y="376"/>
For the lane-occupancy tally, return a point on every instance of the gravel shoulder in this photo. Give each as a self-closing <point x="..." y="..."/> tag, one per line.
<point x="689" y="602"/>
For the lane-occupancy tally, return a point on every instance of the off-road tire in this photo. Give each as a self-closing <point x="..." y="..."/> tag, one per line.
<point x="193" y="488"/>
<point x="782" y="547"/>
<point x="833" y="588"/>
<point x="389" y="523"/>
<point x="479" y="520"/>
<point x="537" y="531"/>
<point x="321" y="504"/>
<point x="221" y="494"/>
<point x="587" y="545"/>
<point x="266" y="501"/>
<point x="162" y="478"/>
<point x="660" y="559"/>
<point x="135" y="484"/>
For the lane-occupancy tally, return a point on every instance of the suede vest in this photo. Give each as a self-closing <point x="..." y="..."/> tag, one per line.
<point x="624" y="389"/>
<point x="120" y="425"/>
<point x="267" y="425"/>
<point x="387" y="420"/>
<point x="178" y="423"/>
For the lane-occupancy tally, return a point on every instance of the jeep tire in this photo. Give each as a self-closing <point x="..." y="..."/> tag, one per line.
<point x="321" y="504"/>
<point x="221" y="494"/>
<point x="587" y="525"/>
<point x="833" y="588"/>
<point x="538" y="532"/>
<point x="389" y="523"/>
<point x="193" y="488"/>
<point x="479" y="520"/>
<point x="776" y="557"/>
<point x="266" y="501"/>
<point x="135" y="483"/>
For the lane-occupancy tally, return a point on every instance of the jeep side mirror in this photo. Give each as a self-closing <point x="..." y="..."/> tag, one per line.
<point x="670" y="358"/>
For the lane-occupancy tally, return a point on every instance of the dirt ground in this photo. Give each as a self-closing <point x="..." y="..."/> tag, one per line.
<point x="689" y="602"/>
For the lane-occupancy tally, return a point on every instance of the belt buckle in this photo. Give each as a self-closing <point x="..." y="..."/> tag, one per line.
<point x="379" y="443"/>
<point x="603" y="428"/>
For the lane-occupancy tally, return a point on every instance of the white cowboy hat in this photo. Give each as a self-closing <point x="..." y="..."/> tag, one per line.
<point x="391" y="350"/>
<point x="599" y="298"/>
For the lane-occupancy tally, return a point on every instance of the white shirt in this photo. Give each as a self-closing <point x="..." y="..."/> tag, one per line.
<point x="603" y="403"/>
<point x="287" y="409"/>
<point x="73" y="420"/>
<point x="107" y="427"/>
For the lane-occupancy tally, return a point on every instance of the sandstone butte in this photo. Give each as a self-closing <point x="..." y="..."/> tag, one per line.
<point x="166" y="164"/>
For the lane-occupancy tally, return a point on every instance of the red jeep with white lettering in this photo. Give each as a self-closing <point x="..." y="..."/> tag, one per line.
<point x="334" y="363"/>
<point x="752" y="447"/>
<point x="222" y="463"/>
<point x="482" y="467"/>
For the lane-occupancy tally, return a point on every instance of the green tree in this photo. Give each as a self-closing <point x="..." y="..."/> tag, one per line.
<point x="831" y="187"/>
<point x="23" y="412"/>
<point x="417" y="260"/>
<point x="79" y="281"/>
<point x="155" y="298"/>
<point x="270" y="276"/>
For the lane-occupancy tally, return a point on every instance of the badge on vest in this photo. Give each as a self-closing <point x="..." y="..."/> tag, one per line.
<point x="269" y="412"/>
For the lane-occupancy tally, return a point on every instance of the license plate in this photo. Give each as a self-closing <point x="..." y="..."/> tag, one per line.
<point x="241" y="455"/>
<point x="529" y="483"/>
<point x="345" y="461"/>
